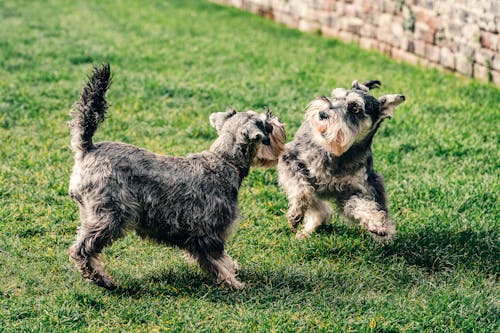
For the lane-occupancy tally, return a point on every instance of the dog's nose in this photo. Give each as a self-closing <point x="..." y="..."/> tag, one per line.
<point x="266" y="141"/>
<point x="402" y="97"/>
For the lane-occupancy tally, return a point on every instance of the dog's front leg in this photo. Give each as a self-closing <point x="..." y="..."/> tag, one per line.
<point x="318" y="213"/>
<point x="210" y="254"/>
<point x="222" y="267"/>
<point x="300" y="196"/>
<point x="370" y="215"/>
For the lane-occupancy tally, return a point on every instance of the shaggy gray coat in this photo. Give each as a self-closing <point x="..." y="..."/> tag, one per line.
<point x="330" y="159"/>
<point x="190" y="202"/>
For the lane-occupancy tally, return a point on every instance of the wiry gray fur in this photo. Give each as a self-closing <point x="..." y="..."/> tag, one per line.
<point x="330" y="159"/>
<point x="190" y="202"/>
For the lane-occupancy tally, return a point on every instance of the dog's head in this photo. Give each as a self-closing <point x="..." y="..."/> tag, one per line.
<point x="349" y="116"/>
<point x="265" y="131"/>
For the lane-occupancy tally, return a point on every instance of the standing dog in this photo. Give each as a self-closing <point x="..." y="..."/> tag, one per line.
<point x="189" y="202"/>
<point x="331" y="158"/>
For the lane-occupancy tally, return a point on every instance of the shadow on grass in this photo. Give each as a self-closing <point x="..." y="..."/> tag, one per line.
<point x="430" y="249"/>
<point x="276" y="284"/>
<point x="439" y="250"/>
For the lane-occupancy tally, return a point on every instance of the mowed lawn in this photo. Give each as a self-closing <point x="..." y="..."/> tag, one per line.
<point x="174" y="63"/>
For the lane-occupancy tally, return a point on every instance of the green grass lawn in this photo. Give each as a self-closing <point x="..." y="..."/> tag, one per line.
<point x="174" y="63"/>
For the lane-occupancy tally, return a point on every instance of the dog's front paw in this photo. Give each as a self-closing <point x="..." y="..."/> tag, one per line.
<point x="237" y="285"/>
<point x="294" y="220"/>
<point x="236" y="265"/>
<point x="384" y="232"/>
<point x="104" y="281"/>
<point x="232" y="283"/>
<point x="302" y="234"/>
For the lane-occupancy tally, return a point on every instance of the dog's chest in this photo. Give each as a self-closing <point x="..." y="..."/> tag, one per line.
<point x="332" y="177"/>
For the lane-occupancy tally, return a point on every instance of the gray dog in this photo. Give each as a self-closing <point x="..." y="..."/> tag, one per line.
<point x="331" y="159"/>
<point x="189" y="202"/>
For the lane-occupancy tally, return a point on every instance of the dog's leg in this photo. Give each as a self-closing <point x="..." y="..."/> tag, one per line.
<point x="299" y="193"/>
<point x="211" y="257"/>
<point x="93" y="235"/>
<point x="318" y="213"/>
<point x="370" y="215"/>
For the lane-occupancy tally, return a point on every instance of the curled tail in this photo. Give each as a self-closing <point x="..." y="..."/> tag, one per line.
<point x="90" y="110"/>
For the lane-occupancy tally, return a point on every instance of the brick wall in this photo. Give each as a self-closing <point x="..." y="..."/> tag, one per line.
<point x="460" y="35"/>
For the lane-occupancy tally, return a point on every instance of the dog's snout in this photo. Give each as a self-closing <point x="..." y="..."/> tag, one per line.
<point x="266" y="140"/>
<point x="402" y="97"/>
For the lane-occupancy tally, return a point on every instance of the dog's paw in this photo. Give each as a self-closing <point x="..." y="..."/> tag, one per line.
<point x="383" y="233"/>
<point x="237" y="285"/>
<point x="302" y="234"/>
<point x="236" y="265"/>
<point x="232" y="283"/>
<point x="293" y="220"/>
<point x="104" y="281"/>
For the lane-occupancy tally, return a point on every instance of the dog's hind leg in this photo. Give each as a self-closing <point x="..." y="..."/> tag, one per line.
<point x="94" y="234"/>
<point x="318" y="213"/>
<point x="370" y="215"/>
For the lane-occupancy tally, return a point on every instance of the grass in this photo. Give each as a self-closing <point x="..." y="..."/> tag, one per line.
<point x="174" y="63"/>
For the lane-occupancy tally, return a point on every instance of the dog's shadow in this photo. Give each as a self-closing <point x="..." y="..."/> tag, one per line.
<point x="430" y="249"/>
<point x="278" y="281"/>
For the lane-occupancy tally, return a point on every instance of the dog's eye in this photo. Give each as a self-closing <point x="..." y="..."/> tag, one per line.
<point x="354" y="107"/>
<point x="269" y="128"/>
<point x="323" y="115"/>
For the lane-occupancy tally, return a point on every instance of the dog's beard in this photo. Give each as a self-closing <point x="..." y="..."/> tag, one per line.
<point x="334" y="135"/>
<point x="267" y="155"/>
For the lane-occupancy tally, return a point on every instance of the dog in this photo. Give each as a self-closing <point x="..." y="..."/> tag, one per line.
<point x="330" y="159"/>
<point x="188" y="202"/>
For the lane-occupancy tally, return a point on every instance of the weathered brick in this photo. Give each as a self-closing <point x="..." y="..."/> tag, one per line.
<point x="495" y="77"/>
<point x="470" y="32"/>
<point x="464" y="64"/>
<point x="368" y="43"/>
<point x="383" y="47"/>
<point x="432" y="52"/>
<point x="352" y="25"/>
<point x="423" y="32"/>
<point x="447" y="58"/>
<point x="487" y="22"/>
<point x="489" y="40"/>
<point x="401" y="55"/>
<point x="484" y="57"/>
<point x="348" y="37"/>
<point x="367" y="30"/>
<point x="329" y="31"/>
<point x="419" y="48"/>
<point x="308" y="26"/>
<point x="456" y="34"/>
<point x="495" y="64"/>
<point x="481" y="72"/>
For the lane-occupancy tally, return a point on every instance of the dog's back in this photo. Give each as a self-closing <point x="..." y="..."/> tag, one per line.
<point x="154" y="191"/>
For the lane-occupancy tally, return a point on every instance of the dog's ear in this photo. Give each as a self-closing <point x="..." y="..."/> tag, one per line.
<point x="388" y="103"/>
<point x="366" y="86"/>
<point x="217" y="119"/>
<point x="372" y="84"/>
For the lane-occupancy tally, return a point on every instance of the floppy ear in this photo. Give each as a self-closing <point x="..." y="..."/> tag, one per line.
<point x="372" y="84"/>
<point x="388" y="103"/>
<point x="366" y="86"/>
<point x="217" y="119"/>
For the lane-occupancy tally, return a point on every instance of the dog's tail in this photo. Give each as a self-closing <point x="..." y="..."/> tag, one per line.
<point x="90" y="110"/>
